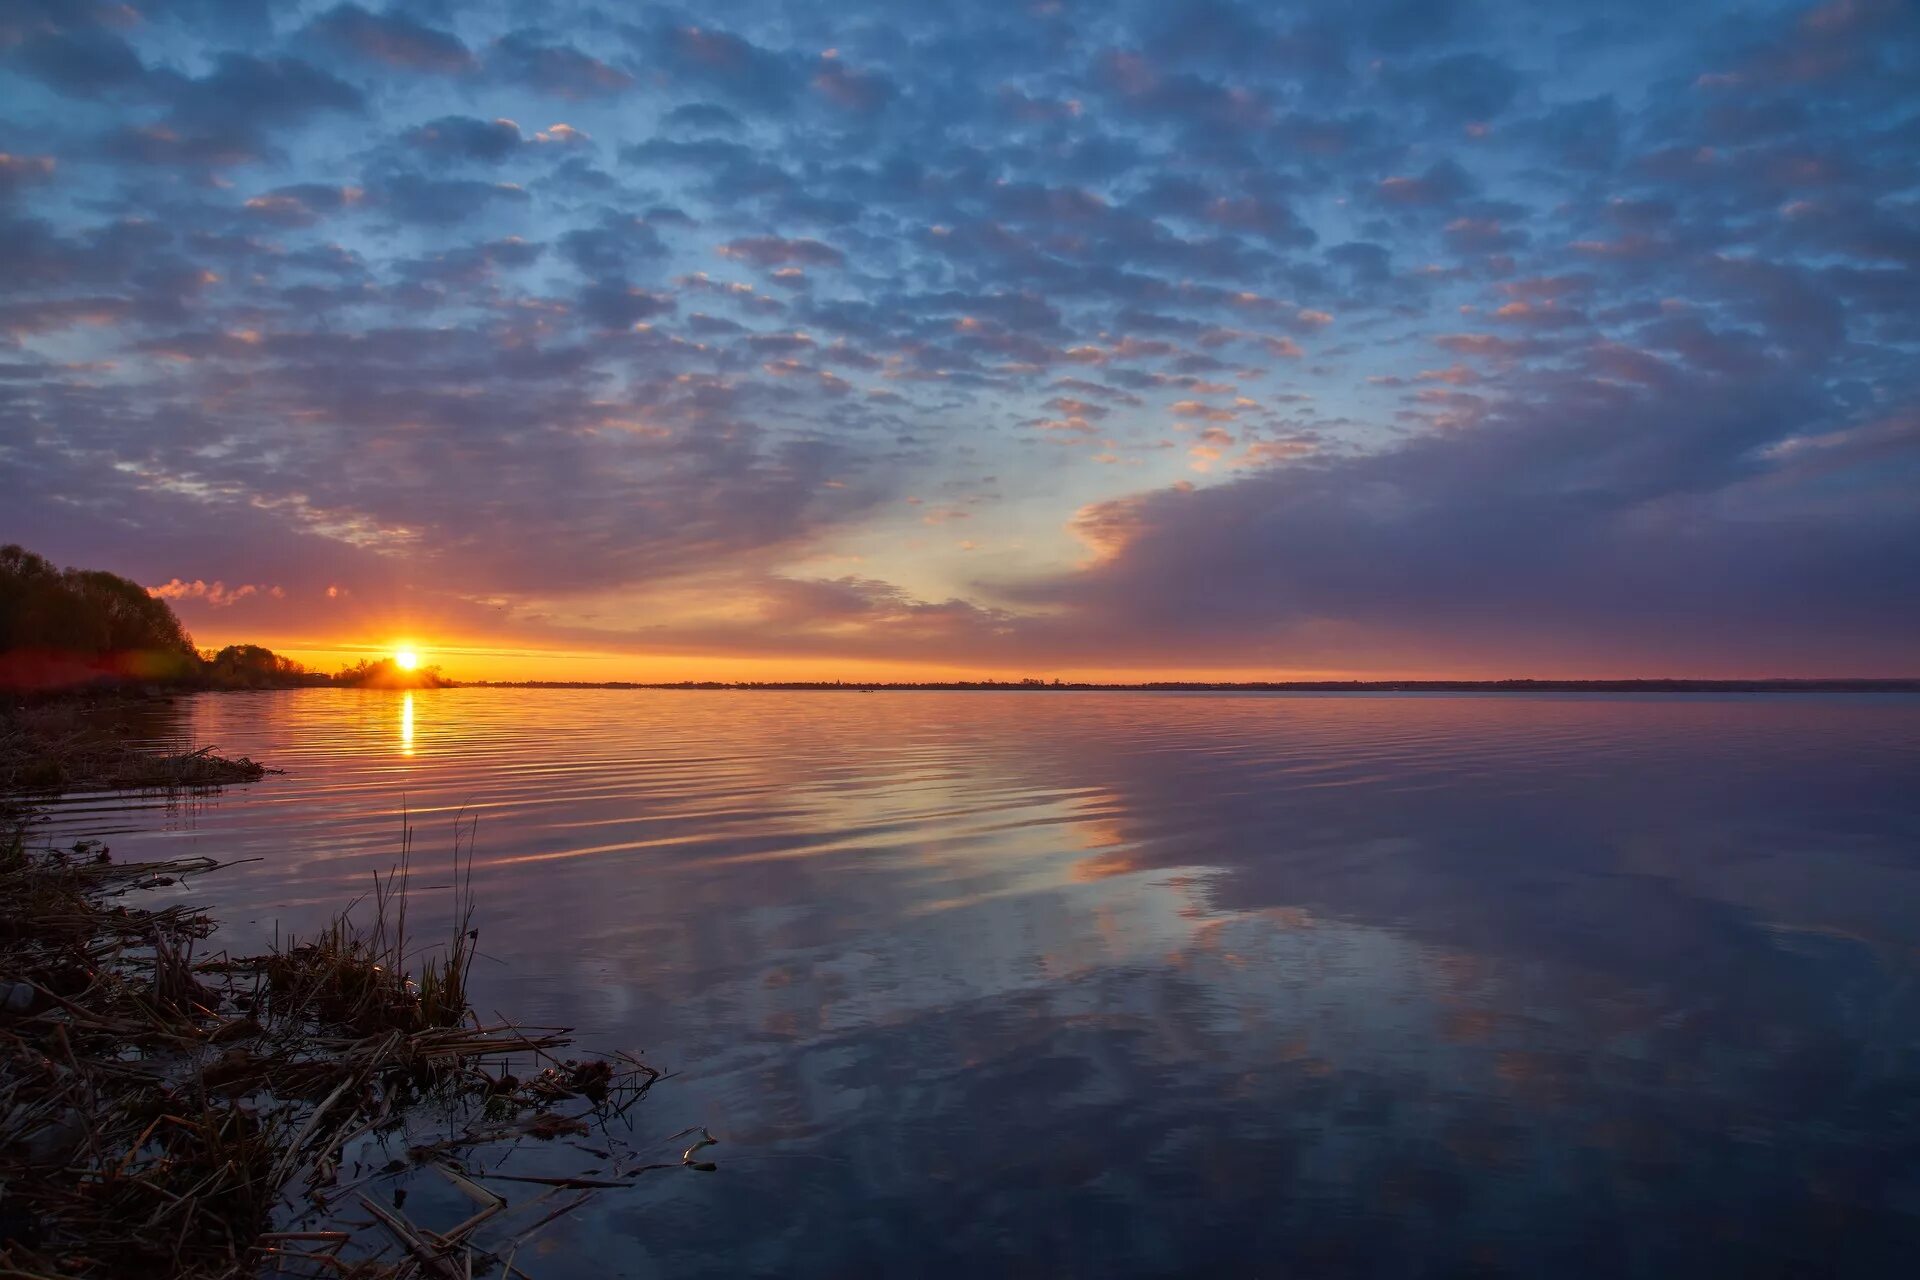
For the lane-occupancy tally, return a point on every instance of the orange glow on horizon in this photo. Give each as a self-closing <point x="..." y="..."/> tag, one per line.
<point x="475" y="659"/>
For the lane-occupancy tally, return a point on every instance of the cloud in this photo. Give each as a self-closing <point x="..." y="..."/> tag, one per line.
<point x="1426" y="306"/>
<point x="409" y="197"/>
<point x="771" y="251"/>
<point x="301" y="204"/>
<point x="703" y="115"/>
<point x="618" y="245"/>
<point x="557" y="69"/>
<point x="614" y="304"/>
<point x="1457" y="88"/>
<point x="264" y="89"/>
<point x="863" y="92"/>
<point x="466" y="138"/>
<point x="471" y="265"/>
<point x="393" y="39"/>
<point x="1646" y="504"/>
<point x="227" y="117"/>
<point x="80" y="63"/>
<point x="216" y="594"/>
<point x="1442" y="183"/>
<point x="723" y="63"/>
<point x="20" y="172"/>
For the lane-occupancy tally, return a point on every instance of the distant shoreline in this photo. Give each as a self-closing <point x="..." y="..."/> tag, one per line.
<point x="1861" y="685"/>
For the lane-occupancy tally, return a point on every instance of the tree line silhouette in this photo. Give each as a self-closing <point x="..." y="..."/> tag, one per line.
<point x="65" y="627"/>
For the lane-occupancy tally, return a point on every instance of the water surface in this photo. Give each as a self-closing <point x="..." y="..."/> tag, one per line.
<point x="1140" y="984"/>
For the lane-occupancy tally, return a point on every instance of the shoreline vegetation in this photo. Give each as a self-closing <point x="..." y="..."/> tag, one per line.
<point x="74" y="744"/>
<point x="63" y="630"/>
<point x="169" y="1109"/>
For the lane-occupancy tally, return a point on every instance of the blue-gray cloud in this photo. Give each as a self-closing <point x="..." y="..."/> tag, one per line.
<point x="1372" y="328"/>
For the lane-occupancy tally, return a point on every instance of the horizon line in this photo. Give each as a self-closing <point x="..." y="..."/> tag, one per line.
<point x="1625" y="684"/>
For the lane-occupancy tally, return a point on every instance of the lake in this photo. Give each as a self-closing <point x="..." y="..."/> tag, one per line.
<point x="1088" y="984"/>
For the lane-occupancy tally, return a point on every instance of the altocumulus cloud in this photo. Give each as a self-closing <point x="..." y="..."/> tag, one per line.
<point x="1345" y="334"/>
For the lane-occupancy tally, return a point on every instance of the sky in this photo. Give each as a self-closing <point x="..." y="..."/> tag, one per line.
<point x="603" y="341"/>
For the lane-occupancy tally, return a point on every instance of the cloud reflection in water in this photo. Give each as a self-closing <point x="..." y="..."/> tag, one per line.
<point x="1105" y="984"/>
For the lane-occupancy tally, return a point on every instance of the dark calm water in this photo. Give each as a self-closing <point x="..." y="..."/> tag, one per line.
<point x="1139" y="984"/>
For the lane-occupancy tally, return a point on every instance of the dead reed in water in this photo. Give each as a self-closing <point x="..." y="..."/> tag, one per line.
<point x="162" y="1114"/>
<point x="69" y="746"/>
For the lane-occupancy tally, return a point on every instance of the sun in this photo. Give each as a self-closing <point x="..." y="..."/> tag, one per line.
<point x="405" y="659"/>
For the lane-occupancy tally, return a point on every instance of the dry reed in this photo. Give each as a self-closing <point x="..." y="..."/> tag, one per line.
<point x="55" y="747"/>
<point x="167" y="1115"/>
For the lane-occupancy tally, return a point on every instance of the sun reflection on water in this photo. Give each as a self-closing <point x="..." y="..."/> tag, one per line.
<point x="406" y="724"/>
